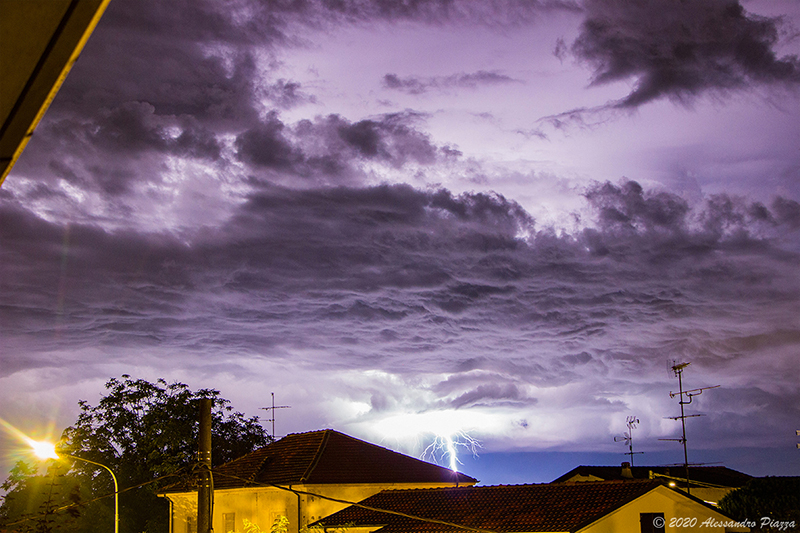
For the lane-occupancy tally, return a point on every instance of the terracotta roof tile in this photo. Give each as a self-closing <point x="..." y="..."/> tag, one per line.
<point x="502" y="508"/>
<point x="326" y="456"/>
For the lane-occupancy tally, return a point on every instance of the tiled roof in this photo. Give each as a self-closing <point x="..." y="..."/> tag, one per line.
<point x="502" y="508"/>
<point x="715" y="475"/>
<point x="326" y="456"/>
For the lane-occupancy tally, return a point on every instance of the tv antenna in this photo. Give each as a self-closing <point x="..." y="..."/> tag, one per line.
<point x="684" y="398"/>
<point x="627" y="437"/>
<point x="272" y="412"/>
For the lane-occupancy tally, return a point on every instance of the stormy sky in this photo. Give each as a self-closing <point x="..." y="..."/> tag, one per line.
<point x="423" y="218"/>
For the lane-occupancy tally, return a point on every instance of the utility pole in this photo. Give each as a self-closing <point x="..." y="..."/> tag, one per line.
<point x="205" y="489"/>
<point x="677" y="369"/>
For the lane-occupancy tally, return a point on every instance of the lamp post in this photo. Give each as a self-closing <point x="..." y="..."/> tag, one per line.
<point x="47" y="450"/>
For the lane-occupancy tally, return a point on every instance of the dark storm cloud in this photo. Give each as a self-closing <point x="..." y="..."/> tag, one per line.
<point x="660" y="224"/>
<point x="390" y="139"/>
<point x="125" y="145"/>
<point x="437" y="11"/>
<point x="401" y="266"/>
<point x="211" y="81"/>
<point x="286" y="94"/>
<point x="626" y="206"/>
<point x="787" y="212"/>
<point x="417" y="85"/>
<point x="470" y="389"/>
<point x="281" y="238"/>
<point x="197" y="56"/>
<point x="115" y="148"/>
<point x="373" y="230"/>
<point x="490" y="393"/>
<point x="729" y="415"/>
<point x="266" y="145"/>
<point x="331" y="146"/>
<point x="680" y="50"/>
<point x="133" y="127"/>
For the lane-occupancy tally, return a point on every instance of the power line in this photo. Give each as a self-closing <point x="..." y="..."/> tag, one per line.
<point x="356" y="504"/>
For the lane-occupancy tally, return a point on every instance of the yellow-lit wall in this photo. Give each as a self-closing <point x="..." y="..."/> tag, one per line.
<point x="263" y="505"/>
<point x="675" y="507"/>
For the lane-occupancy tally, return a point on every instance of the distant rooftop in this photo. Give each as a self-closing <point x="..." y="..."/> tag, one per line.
<point x="325" y="457"/>
<point x="713" y="475"/>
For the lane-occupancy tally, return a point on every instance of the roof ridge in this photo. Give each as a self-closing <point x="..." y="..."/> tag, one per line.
<point x="309" y="432"/>
<point x="543" y="485"/>
<point x="260" y="466"/>
<point x="317" y="455"/>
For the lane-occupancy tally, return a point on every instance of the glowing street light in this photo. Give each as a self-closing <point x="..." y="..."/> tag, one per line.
<point x="43" y="449"/>
<point x="47" y="450"/>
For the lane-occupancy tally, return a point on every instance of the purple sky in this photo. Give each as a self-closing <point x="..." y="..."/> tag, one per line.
<point x="423" y="217"/>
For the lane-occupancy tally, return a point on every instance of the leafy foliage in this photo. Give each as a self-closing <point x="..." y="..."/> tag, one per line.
<point x="49" y="502"/>
<point x="774" y="497"/>
<point x="146" y="433"/>
<point x="279" y="525"/>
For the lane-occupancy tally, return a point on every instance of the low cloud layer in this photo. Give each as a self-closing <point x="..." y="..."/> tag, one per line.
<point x="406" y="282"/>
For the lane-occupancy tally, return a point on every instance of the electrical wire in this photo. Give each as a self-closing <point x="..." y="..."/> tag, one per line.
<point x="362" y="506"/>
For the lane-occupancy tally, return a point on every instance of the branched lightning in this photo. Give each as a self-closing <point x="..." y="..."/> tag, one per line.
<point x="444" y="448"/>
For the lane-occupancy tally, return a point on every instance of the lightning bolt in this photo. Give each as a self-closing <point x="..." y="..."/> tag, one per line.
<point x="444" y="448"/>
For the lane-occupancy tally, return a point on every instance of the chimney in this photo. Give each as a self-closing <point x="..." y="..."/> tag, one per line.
<point x="626" y="470"/>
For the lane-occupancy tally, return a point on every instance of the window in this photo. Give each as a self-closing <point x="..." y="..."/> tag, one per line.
<point x="229" y="519"/>
<point x="651" y="522"/>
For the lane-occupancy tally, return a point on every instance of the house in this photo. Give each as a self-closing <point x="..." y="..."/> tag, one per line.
<point x="299" y="478"/>
<point x="635" y="506"/>
<point x="709" y="483"/>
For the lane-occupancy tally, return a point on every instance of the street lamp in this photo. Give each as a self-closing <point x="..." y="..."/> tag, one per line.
<point x="47" y="450"/>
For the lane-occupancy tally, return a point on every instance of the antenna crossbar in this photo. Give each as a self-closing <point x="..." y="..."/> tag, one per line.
<point x="690" y="393"/>
<point x="272" y="409"/>
<point x="684" y="398"/>
<point x="627" y="437"/>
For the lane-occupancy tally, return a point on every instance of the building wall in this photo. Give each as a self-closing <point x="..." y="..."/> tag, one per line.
<point x="317" y="508"/>
<point x="681" y="514"/>
<point x="263" y="505"/>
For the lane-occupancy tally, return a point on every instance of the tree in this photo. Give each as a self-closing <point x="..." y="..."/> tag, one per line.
<point x="147" y="434"/>
<point x="776" y="498"/>
<point x="38" y="499"/>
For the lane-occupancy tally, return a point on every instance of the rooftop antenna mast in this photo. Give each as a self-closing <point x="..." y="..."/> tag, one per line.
<point x="684" y="398"/>
<point x="627" y="437"/>
<point x="272" y="412"/>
